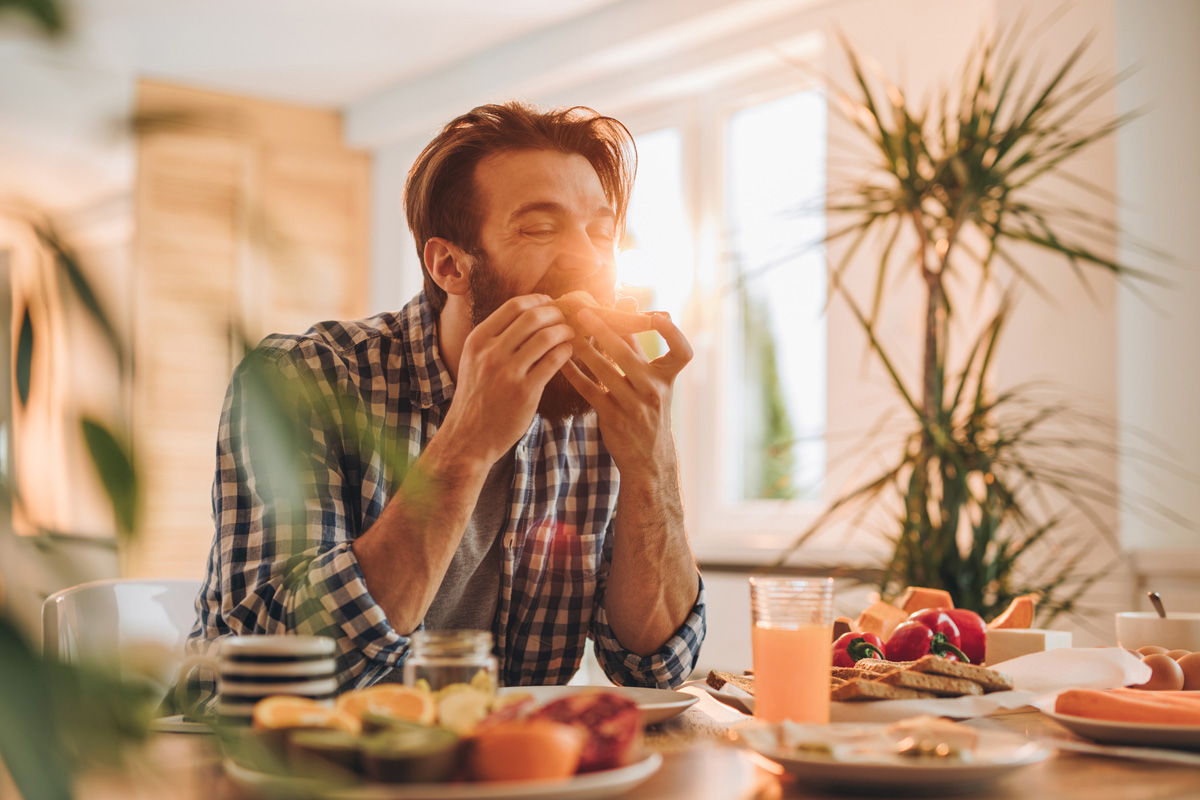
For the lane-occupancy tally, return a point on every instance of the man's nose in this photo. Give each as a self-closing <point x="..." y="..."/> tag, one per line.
<point x="580" y="253"/>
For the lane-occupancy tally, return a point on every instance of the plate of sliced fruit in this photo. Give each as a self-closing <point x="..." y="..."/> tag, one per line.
<point x="395" y="742"/>
<point x="585" y="786"/>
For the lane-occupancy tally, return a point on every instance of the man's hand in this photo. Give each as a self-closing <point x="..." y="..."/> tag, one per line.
<point x="507" y="361"/>
<point x="633" y="403"/>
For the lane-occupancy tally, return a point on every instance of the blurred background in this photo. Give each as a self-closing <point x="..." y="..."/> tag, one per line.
<point x="225" y="165"/>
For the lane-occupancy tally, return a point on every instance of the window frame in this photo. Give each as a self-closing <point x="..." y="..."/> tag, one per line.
<point x="749" y="531"/>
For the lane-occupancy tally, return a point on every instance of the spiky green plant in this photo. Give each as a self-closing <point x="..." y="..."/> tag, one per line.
<point x="970" y="487"/>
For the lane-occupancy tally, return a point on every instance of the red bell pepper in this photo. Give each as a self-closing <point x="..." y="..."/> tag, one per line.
<point x="850" y="647"/>
<point x="924" y="632"/>
<point x="972" y="631"/>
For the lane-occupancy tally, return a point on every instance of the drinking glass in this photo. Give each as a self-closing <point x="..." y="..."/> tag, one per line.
<point x="793" y="627"/>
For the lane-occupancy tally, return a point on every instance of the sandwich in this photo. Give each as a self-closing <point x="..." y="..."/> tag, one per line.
<point x="622" y="322"/>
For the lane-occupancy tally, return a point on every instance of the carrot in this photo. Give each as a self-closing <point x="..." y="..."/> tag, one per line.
<point x="1125" y="707"/>
<point x="1191" y="697"/>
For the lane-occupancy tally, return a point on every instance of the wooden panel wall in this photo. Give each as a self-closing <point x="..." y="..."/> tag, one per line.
<point x="251" y="215"/>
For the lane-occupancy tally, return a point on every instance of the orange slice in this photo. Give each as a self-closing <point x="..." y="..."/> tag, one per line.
<point x="527" y="750"/>
<point x="390" y="700"/>
<point x="286" y="711"/>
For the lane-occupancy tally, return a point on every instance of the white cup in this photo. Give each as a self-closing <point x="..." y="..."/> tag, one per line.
<point x="249" y="668"/>
<point x="1176" y="631"/>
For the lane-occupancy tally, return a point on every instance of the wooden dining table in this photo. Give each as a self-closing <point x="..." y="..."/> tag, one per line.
<point x="702" y="761"/>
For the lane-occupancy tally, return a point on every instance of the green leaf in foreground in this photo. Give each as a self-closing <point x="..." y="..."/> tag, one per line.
<point x="25" y="358"/>
<point x="114" y="464"/>
<point x="47" y="14"/>
<point x="29" y="736"/>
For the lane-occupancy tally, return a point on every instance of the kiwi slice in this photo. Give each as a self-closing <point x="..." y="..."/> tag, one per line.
<point x="324" y="752"/>
<point x="409" y="753"/>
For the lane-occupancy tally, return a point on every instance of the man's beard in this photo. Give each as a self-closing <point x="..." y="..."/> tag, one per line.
<point x="488" y="292"/>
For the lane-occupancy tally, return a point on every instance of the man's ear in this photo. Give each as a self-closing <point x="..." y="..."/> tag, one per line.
<point x="449" y="265"/>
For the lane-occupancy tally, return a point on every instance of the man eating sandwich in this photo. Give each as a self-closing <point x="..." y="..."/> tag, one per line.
<point x="538" y="493"/>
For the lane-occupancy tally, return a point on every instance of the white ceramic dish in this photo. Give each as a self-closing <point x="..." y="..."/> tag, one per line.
<point x="1180" y="630"/>
<point x="996" y="754"/>
<point x="592" y="786"/>
<point x="1183" y="737"/>
<point x="656" y="705"/>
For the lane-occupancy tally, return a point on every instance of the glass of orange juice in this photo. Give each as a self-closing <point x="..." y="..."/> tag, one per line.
<point x="793" y="628"/>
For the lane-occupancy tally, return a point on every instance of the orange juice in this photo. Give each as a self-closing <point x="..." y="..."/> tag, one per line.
<point x="791" y="673"/>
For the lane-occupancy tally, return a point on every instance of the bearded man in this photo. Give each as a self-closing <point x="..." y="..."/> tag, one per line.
<point x="472" y="461"/>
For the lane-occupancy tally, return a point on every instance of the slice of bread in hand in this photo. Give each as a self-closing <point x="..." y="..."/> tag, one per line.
<point x="857" y="691"/>
<point x="937" y="684"/>
<point x="989" y="679"/>
<point x="717" y="680"/>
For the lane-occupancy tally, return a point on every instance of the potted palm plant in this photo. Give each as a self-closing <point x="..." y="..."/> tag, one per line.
<point x="949" y="196"/>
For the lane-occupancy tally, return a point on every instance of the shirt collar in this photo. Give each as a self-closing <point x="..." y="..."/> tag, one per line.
<point x="429" y="383"/>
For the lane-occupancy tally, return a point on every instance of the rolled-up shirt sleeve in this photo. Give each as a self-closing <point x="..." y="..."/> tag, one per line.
<point x="286" y="517"/>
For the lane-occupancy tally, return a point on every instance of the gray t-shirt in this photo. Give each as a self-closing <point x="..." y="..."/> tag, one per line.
<point x="470" y="592"/>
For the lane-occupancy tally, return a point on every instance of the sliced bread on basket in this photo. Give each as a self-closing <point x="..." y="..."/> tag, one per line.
<point x="938" y="685"/>
<point x="988" y="679"/>
<point x="860" y="690"/>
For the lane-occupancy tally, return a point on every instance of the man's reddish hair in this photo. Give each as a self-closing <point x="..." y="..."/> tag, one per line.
<point x="441" y="198"/>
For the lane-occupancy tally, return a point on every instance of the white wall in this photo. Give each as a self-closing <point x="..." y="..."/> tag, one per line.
<point x="1158" y="171"/>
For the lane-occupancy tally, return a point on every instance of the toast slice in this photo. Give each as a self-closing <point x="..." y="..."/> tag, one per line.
<point x="717" y="680"/>
<point x="879" y="666"/>
<point x="860" y="690"/>
<point x="851" y="673"/>
<point x="939" y="685"/>
<point x="989" y="679"/>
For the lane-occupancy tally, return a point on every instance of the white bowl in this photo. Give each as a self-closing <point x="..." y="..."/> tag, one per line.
<point x="1178" y="631"/>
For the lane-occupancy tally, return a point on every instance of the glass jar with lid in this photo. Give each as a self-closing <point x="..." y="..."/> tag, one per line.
<point x="444" y="657"/>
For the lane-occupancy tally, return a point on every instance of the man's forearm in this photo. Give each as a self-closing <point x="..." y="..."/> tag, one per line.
<point x="653" y="583"/>
<point x="405" y="554"/>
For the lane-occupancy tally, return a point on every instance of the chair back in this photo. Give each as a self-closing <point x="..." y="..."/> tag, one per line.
<point x="116" y="621"/>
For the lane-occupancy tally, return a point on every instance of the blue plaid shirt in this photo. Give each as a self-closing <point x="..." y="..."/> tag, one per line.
<point x="393" y="392"/>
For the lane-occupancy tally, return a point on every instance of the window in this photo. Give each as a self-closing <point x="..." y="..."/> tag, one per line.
<point x="723" y="232"/>
<point x="775" y="184"/>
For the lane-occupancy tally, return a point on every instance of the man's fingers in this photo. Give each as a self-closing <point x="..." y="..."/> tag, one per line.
<point x="588" y="390"/>
<point x="624" y="350"/>
<point x="605" y="371"/>
<point x="679" y="350"/>
<point x="558" y="358"/>
<point x="504" y="316"/>
<point x="542" y="342"/>
<point x="625" y="322"/>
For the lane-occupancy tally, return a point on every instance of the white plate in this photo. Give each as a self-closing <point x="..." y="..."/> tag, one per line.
<point x="996" y="754"/>
<point x="1183" y="737"/>
<point x="656" y="705"/>
<point x="592" y="786"/>
<point x="178" y="724"/>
